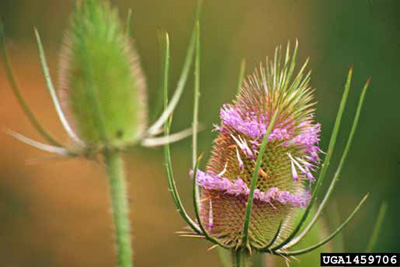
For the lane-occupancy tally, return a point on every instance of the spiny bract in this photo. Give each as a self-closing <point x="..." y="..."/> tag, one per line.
<point x="290" y="157"/>
<point x="101" y="82"/>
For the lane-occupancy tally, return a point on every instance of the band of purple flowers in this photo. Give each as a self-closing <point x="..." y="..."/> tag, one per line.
<point x="214" y="182"/>
<point x="255" y="126"/>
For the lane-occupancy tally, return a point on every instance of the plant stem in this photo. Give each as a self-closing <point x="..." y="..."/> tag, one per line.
<point x="240" y="258"/>
<point x="120" y="208"/>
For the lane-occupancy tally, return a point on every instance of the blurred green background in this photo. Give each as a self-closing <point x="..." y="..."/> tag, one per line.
<point x="55" y="212"/>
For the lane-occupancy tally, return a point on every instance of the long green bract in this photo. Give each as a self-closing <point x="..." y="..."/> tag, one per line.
<point x="52" y="91"/>
<point x="254" y="179"/>
<point x="325" y="165"/>
<point x="167" y="153"/>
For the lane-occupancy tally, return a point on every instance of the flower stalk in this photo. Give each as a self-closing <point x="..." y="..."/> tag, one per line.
<point x="120" y="207"/>
<point x="240" y="258"/>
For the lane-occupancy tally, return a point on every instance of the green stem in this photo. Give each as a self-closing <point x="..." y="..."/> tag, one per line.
<point x="240" y="258"/>
<point x="120" y="208"/>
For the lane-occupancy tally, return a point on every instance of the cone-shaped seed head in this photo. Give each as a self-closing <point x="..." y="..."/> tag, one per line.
<point x="289" y="159"/>
<point x="102" y="85"/>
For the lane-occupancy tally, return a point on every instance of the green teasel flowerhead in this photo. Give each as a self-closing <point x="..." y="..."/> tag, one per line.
<point x="100" y="80"/>
<point x="101" y="99"/>
<point x="288" y="162"/>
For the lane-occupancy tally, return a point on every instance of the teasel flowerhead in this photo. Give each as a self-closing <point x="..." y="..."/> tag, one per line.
<point x="288" y="162"/>
<point x="260" y="185"/>
<point x="101" y="98"/>
<point x="101" y="81"/>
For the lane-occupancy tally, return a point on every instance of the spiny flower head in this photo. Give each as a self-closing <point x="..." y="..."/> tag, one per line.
<point x="290" y="158"/>
<point x="101" y="82"/>
<point x="101" y="99"/>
